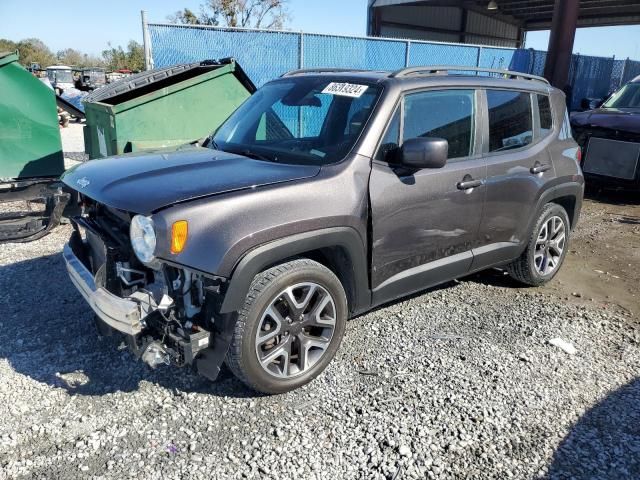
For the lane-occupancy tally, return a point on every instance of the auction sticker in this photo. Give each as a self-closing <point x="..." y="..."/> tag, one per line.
<point x="345" y="89"/>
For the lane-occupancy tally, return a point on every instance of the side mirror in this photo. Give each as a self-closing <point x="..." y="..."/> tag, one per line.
<point x="591" y="103"/>
<point x="424" y="152"/>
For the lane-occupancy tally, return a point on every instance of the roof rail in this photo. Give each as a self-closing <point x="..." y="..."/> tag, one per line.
<point x="320" y="70"/>
<point x="443" y="69"/>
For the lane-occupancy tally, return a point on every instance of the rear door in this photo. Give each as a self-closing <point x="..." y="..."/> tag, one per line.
<point x="518" y="166"/>
<point x="425" y="222"/>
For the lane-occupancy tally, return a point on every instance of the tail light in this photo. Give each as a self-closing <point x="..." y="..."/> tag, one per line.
<point x="579" y="156"/>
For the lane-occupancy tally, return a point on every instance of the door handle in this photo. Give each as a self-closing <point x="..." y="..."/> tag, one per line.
<point x="468" y="184"/>
<point x="539" y="169"/>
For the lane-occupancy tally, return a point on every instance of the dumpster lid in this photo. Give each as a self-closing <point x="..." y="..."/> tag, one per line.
<point x="156" y="78"/>
<point x="8" y="57"/>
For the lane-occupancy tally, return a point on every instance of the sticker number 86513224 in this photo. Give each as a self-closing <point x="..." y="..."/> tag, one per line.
<point x="345" y="89"/>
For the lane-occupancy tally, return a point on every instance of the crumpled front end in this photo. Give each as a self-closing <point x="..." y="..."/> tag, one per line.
<point x="166" y="313"/>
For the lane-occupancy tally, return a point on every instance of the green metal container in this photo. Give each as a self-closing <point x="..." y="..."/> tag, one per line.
<point x="31" y="157"/>
<point x="29" y="134"/>
<point x="164" y="107"/>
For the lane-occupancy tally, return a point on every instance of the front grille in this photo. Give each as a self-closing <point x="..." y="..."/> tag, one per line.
<point x="106" y="244"/>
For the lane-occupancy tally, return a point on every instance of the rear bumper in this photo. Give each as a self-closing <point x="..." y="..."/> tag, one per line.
<point x="125" y="315"/>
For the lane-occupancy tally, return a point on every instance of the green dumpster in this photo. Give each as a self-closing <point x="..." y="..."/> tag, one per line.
<point x="31" y="157"/>
<point x="163" y="107"/>
<point x="29" y="134"/>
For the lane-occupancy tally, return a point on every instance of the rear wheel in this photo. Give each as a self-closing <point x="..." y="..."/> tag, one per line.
<point x="546" y="249"/>
<point x="290" y="327"/>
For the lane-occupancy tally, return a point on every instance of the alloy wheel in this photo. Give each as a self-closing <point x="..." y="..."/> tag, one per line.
<point x="549" y="245"/>
<point x="295" y="330"/>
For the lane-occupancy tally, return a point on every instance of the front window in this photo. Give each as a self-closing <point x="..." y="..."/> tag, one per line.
<point x="627" y="97"/>
<point x="303" y="120"/>
<point x="447" y="114"/>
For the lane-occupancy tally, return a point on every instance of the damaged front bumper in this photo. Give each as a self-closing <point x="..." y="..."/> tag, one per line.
<point x="125" y="315"/>
<point x="133" y="316"/>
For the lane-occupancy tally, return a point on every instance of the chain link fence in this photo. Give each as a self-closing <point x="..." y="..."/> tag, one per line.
<point x="266" y="54"/>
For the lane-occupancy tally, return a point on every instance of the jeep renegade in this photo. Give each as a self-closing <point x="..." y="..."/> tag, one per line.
<point x="327" y="193"/>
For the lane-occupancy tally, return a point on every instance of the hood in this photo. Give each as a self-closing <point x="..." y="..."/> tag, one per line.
<point x="144" y="183"/>
<point x="625" y="119"/>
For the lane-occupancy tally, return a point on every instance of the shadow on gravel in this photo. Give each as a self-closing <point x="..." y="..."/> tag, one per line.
<point x="605" y="442"/>
<point x="495" y="278"/>
<point x="47" y="333"/>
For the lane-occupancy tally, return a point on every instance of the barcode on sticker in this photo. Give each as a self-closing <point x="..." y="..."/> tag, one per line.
<point x="345" y="89"/>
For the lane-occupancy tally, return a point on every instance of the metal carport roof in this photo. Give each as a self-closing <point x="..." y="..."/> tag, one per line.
<point x="537" y="14"/>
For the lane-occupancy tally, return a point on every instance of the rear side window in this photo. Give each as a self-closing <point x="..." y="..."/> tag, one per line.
<point x="510" y="120"/>
<point x="546" y="120"/>
<point x="447" y="114"/>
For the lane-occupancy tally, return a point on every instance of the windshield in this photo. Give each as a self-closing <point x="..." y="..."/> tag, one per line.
<point x="60" y="76"/>
<point x="627" y="97"/>
<point x="302" y="120"/>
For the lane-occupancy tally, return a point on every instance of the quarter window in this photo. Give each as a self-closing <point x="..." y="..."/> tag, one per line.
<point x="447" y="114"/>
<point x="546" y="121"/>
<point x="391" y="139"/>
<point x="510" y="120"/>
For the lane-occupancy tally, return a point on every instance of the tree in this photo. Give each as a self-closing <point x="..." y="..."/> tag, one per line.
<point x="187" y="17"/>
<point x="7" y="45"/>
<point x="30" y="50"/>
<point x="271" y="14"/>
<point x="72" y="57"/>
<point x="116" y="58"/>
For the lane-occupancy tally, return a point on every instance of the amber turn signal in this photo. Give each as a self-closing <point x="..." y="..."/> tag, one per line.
<point x="179" y="232"/>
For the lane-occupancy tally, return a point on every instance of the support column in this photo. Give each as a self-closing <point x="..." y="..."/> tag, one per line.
<point x="146" y="42"/>
<point x="563" y="33"/>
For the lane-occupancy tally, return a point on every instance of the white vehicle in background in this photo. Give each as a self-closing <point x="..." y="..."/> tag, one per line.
<point x="61" y="77"/>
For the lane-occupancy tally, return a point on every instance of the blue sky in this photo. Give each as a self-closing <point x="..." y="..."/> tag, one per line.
<point x="88" y="25"/>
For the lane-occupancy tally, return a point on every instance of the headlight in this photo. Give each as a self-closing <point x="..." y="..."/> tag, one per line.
<point x="143" y="238"/>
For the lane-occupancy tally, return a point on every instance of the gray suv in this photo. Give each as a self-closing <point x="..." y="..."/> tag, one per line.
<point x="326" y="194"/>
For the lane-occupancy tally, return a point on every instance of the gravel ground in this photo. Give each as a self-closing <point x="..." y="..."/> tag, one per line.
<point x="73" y="143"/>
<point x="459" y="382"/>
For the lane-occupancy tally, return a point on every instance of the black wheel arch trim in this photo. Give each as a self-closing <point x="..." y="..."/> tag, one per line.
<point x="263" y="256"/>
<point x="566" y="189"/>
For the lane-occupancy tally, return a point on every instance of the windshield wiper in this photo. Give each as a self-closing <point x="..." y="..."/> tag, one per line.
<point x="212" y="143"/>
<point x="257" y="156"/>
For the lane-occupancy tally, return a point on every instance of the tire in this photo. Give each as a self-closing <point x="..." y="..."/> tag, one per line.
<point x="316" y="328"/>
<point x="530" y="268"/>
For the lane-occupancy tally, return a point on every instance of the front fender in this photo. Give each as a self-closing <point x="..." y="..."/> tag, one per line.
<point x="261" y="257"/>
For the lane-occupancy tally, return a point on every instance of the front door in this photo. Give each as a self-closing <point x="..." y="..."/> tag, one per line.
<point x="425" y="222"/>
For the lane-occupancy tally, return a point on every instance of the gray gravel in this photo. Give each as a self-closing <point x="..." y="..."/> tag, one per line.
<point x="459" y="382"/>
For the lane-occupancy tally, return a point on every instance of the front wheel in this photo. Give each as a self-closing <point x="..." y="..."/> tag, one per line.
<point x="546" y="249"/>
<point x="289" y="328"/>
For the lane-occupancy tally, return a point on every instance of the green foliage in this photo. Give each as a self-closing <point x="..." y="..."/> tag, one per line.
<point x="116" y="58"/>
<point x="33" y="50"/>
<point x="76" y="58"/>
<point x="30" y="50"/>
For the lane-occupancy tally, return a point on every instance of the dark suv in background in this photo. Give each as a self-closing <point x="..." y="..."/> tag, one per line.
<point x="324" y="195"/>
